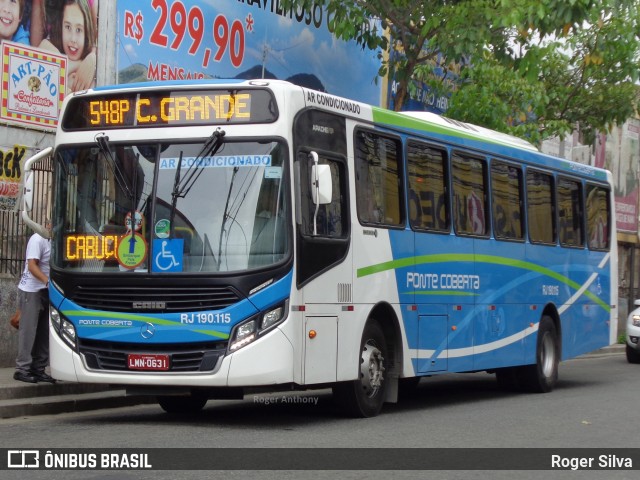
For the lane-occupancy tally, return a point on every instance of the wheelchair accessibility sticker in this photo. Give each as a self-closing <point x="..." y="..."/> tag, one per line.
<point x="167" y="255"/>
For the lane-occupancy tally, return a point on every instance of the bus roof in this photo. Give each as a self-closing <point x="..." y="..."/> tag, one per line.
<point x="469" y="135"/>
<point x="498" y="136"/>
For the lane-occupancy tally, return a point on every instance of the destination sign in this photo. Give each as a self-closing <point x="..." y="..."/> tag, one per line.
<point x="169" y="108"/>
<point x="91" y="247"/>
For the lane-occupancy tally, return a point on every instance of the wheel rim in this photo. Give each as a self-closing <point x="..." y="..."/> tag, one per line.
<point x="548" y="356"/>
<point x="371" y="369"/>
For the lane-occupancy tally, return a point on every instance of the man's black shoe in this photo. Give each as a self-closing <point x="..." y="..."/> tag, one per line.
<point x="24" y="377"/>
<point x="43" y="377"/>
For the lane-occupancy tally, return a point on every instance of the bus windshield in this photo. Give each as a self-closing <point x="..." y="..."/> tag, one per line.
<point x="170" y="207"/>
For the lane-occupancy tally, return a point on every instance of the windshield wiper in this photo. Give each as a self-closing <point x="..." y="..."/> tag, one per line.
<point x="103" y="144"/>
<point x="182" y="186"/>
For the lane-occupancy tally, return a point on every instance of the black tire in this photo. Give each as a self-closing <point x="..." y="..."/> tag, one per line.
<point x="183" y="403"/>
<point x="542" y="376"/>
<point x="633" y="356"/>
<point x="365" y="396"/>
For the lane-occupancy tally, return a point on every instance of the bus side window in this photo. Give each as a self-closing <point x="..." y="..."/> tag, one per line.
<point x="506" y="191"/>
<point x="540" y="208"/>
<point x="598" y="218"/>
<point x="378" y="185"/>
<point x="570" y="214"/>
<point x="428" y="205"/>
<point x="469" y="195"/>
<point x="331" y="218"/>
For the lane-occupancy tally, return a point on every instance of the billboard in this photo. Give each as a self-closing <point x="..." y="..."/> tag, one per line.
<point x="622" y="152"/>
<point x="244" y="39"/>
<point x="49" y="48"/>
<point x="33" y="85"/>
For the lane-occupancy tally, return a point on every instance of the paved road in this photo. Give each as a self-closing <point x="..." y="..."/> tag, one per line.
<point x="594" y="406"/>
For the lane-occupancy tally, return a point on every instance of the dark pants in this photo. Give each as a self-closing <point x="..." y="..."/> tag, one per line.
<point x="33" y="336"/>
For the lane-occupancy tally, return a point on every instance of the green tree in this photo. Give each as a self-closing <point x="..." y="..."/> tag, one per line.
<point x="533" y="68"/>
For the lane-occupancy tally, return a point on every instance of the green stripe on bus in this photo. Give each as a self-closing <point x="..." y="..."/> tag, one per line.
<point x="469" y="257"/>
<point x="393" y="118"/>
<point x="138" y="318"/>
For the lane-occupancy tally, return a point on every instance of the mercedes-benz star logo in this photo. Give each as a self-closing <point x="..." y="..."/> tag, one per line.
<point x="147" y="330"/>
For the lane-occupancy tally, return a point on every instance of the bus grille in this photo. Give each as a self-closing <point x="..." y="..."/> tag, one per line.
<point x="198" y="357"/>
<point x="154" y="299"/>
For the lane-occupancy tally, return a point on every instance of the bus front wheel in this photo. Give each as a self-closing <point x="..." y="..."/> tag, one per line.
<point x="183" y="404"/>
<point x="542" y="376"/>
<point x="365" y="396"/>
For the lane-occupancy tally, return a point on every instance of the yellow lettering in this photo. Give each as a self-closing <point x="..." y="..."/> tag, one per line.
<point x="211" y="103"/>
<point x="139" y="116"/>
<point x="71" y="253"/>
<point x="197" y="107"/>
<point x="226" y="106"/>
<point x="182" y="106"/>
<point x="91" y="247"/>
<point x="166" y="110"/>
<point x="242" y="108"/>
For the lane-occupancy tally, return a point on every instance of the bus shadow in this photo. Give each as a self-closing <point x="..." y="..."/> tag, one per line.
<point x="289" y="410"/>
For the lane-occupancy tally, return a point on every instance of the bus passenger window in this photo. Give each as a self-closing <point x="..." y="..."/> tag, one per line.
<point x="506" y="191"/>
<point x="378" y="191"/>
<point x="598" y="218"/>
<point x="540" y="208"/>
<point x="570" y="215"/>
<point x="331" y="218"/>
<point x="469" y="196"/>
<point x="428" y="199"/>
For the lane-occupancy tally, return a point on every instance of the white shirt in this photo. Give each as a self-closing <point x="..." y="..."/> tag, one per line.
<point x="38" y="248"/>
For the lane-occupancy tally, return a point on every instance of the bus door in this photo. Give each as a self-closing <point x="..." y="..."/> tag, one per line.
<point x="429" y="219"/>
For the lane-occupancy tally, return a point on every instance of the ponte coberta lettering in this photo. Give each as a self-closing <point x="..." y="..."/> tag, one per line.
<point x="442" y="281"/>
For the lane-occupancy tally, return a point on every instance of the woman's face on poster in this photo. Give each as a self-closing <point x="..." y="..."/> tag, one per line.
<point x="73" y="32"/>
<point x="9" y="18"/>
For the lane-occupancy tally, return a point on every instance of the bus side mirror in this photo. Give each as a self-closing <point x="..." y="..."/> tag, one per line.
<point x="27" y="192"/>
<point x="321" y="184"/>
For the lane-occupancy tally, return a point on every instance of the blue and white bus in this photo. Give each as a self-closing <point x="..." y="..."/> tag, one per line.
<point x="221" y="237"/>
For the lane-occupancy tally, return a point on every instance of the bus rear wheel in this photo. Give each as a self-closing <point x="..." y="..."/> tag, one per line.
<point x="183" y="403"/>
<point x="365" y="396"/>
<point x="542" y="376"/>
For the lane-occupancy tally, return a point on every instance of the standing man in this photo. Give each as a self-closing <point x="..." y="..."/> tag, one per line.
<point x="33" y="337"/>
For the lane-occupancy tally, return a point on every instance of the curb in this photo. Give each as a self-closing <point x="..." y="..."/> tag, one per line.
<point x="82" y="402"/>
<point x="617" y="349"/>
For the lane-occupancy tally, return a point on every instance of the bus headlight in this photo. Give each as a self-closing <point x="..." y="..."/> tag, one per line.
<point x="244" y="334"/>
<point x="271" y="318"/>
<point x="64" y="327"/>
<point x="247" y="332"/>
<point x="54" y="315"/>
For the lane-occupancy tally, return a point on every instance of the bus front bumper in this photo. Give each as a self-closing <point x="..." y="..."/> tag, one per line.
<point x="267" y="361"/>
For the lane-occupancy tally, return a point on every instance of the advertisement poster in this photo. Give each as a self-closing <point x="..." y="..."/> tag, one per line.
<point x="49" y="49"/>
<point x="33" y="85"/>
<point x="10" y="175"/>
<point x="621" y="157"/>
<point x="421" y="97"/>
<point x="241" y="39"/>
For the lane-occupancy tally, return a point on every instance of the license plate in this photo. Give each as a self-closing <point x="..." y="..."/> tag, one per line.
<point x="147" y="362"/>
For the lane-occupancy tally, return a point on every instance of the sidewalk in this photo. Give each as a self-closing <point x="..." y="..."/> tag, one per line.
<point x="19" y="399"/>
